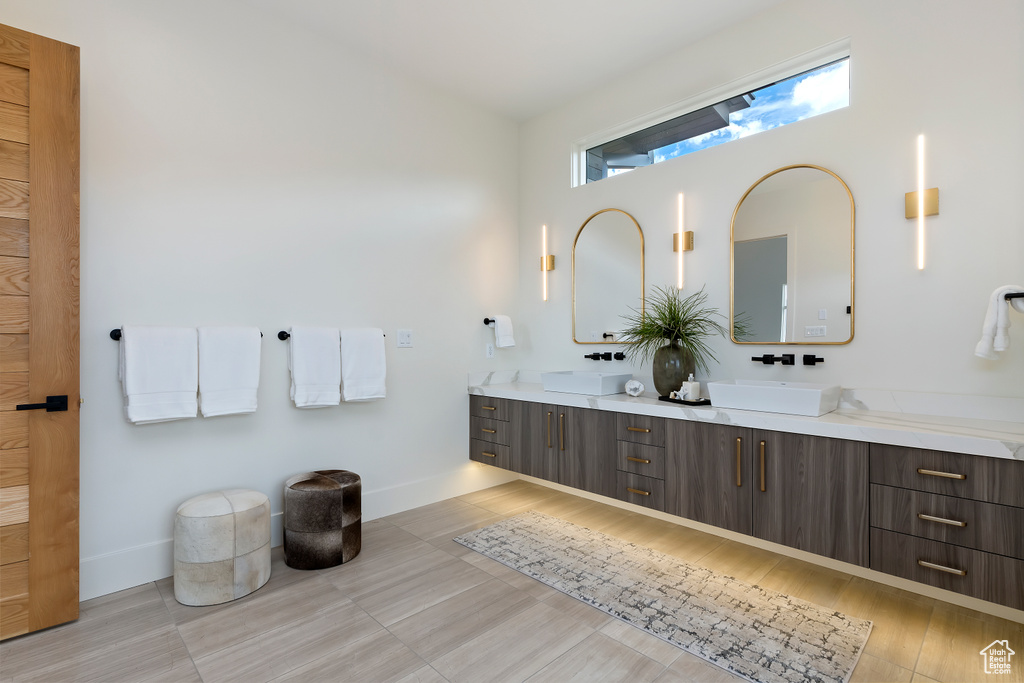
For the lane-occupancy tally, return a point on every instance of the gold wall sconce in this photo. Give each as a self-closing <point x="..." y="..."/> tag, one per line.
<point x="687" y="243"/>
<point x="547" y="261"/>
<point x="921" y="202"/>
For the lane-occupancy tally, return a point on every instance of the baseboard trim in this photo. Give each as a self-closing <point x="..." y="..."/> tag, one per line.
<point x="130" y="567"/>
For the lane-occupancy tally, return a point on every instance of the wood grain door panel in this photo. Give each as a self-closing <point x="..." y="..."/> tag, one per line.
<point x="39" y="334"/>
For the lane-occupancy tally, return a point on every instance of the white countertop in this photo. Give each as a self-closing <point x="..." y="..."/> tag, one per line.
<point x="972" y="435"/>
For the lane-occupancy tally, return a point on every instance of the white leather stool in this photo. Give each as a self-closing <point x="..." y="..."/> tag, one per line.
<point x="221" y="546"/>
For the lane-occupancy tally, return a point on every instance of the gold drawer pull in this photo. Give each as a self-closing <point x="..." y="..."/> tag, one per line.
<point x="762" y="467"/>
<point x="638" y="429"/>
<point x="489" y="455"/>
<point x="489" y="407"/>
<point x="940" y="520"/>
<point x="939" y="567"/>
<point x="489" y="431"/>
<point x="639" y="460"/>
<point x="946" y="475"/>
<point x="638" y="491"/>
<point x="739" y="460"/>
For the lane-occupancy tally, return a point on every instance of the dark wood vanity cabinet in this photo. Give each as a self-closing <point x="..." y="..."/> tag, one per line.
<point x="811" y="493"/>
<point x="949" y="520"/>
<point x="709" y="474"/>
<point x="805" y="492"/>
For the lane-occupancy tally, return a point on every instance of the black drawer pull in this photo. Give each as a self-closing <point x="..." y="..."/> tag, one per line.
<point x="489" y="455"/>
<point x="642" y="461"/>
<point x="940" y="520"/>
<point x="638" y="491"/>
<point x="638" y="429"/>
<point x="944" y="475"/>
<point x="940" y="568"/>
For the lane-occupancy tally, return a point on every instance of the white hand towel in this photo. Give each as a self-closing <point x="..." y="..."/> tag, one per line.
<point x="229" y="369"/>
<point x="363" y="364"/>
<point x="503" y="332"/>
<point x="314" y="358"/>
<point x="159" y="369"/>
<point x="995" y="330"/>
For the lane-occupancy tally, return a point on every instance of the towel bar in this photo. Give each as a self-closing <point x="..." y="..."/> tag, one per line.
<point x="488" y="321"/>
<point x="283" y="335"/>
<point x="115" y="334"/>
<point x="1018" y="295"/>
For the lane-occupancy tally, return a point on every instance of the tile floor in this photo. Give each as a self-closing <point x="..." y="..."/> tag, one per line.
<point x="415" y="606"/>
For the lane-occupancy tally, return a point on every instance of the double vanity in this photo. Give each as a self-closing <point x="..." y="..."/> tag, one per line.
<point x="877" y="489"/>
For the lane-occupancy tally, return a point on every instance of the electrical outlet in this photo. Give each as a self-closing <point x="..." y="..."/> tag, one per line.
<point x="489" y="353"/>
<point x="405" y="339"/>
<point x="822" y="314"/>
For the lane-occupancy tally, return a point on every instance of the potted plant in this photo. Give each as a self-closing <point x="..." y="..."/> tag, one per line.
<point x="672" y="333"/>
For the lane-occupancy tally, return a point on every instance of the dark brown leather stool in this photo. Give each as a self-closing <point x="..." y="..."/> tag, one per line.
<point x="322" y="517"/>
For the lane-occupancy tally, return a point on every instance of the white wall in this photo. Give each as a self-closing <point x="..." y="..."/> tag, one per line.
<point x="237" y="171"/>
<point x="948" y="69"/>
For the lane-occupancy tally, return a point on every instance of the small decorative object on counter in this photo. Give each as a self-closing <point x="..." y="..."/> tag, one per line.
<point x="690" y="389"/>
<point x="634" y="388"/>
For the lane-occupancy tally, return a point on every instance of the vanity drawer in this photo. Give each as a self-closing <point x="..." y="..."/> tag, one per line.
<point x="490" y="408"/>
<point x="640" y="429"/>
<point x="971" y="572"/>
<point x="639" y="459"/>
<point x="993" y="480"/>
<point x="494" y="431"/>
<point x="490" y="453"/>
<point x="641" y="490"/>
<point x="969" y="523"/>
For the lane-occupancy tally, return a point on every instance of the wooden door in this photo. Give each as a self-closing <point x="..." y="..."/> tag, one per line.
<point x="709" y="474"/>
<point x="814" y="494"/>
<point x="38" y="331"/>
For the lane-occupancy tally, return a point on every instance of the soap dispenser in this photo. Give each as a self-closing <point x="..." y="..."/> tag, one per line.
<point x="691" y="389"/>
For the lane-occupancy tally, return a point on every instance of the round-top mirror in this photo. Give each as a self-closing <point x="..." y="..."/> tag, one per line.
<point x="792" y="259"/>
<point x="607" y="275"/>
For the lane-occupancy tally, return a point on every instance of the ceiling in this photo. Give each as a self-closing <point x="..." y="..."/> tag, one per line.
<point x="518" y="58"/>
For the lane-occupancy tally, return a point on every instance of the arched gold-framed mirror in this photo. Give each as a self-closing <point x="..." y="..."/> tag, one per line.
<point x="607" y="274"/>
<point x="792" y="259"/>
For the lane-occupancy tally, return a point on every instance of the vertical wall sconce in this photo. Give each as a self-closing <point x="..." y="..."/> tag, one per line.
<point x="921" y="202"/>
<point x="547" y="261"/>
<point x="686" y="238"/>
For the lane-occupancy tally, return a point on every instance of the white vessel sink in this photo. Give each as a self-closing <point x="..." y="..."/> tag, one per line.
<point x="584" y="382"/>
<point x="792" y="398"/>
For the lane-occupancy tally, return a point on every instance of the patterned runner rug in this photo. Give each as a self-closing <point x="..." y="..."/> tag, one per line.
<point x="759" y="634"/>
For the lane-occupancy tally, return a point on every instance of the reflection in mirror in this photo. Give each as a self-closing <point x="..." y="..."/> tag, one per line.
<point x="607" y="274"/>
<point x="792" y="259"/>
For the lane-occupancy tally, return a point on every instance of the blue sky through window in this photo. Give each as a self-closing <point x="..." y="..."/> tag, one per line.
<point x="815" y="92"/>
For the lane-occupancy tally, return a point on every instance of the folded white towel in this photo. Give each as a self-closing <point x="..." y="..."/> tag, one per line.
<point x="314" y="358"/>
<point x="995" y="330"/>
<point x="229" y="369"/>
<point x="503" y="332"/>
<point x="159" y="370"/>
<point x="363" y="364"/>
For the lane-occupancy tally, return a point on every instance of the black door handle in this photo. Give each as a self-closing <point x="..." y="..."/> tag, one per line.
<point x="54" y="404"/>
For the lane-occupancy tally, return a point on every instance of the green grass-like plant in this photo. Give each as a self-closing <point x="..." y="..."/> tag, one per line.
<point x="670" y="318"/>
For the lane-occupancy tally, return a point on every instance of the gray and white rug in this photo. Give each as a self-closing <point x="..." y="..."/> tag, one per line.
<point x="759" y="634"/>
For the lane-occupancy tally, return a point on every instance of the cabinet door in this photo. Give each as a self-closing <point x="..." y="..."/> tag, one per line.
<point x="811" y="493"/>
<point x="588" y="463"/>
<point x="710" y="475"/>
<point x="527" y="438"/>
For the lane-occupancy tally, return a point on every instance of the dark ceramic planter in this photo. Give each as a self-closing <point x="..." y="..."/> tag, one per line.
<point x="672" y="366"/>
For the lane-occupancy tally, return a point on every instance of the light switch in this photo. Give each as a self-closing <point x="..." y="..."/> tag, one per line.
<point x="404" y="339"/>
<point x="814" y="331"/>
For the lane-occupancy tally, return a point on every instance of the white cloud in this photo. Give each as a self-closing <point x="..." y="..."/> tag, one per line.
<point x="826" y="91"/>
